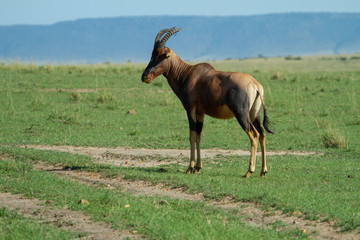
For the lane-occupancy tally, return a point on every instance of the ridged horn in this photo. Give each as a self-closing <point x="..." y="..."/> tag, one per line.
<point x="160" y="34"/>
<point x="169" y="33"/>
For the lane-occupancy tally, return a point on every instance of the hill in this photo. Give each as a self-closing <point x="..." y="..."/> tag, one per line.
<point x="131" y="38"/>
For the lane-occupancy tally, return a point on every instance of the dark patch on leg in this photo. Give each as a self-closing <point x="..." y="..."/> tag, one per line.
<point x="192" y="124"/>
<point x="199" y="126"/>
<point x="195" y="126"/>
<point x="238" y="101"/>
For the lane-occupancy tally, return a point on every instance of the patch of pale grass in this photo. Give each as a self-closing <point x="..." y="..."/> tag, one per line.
<point x="333" y="139"/>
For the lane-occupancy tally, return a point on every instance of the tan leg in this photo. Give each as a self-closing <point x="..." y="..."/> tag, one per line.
<point x="198" y="162"/>
<point x="193" y="136"/>
<point x="263" y="155"/>
<point x="192" y="152"/>
<point x="254" y="138"/>
<point x="199" y="123"/>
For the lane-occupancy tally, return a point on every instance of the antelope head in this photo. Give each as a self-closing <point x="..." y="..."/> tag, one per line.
<point x="160" y="54"/>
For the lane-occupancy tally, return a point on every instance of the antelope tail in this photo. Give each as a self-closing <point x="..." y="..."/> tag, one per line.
<point x="266" y="121"/>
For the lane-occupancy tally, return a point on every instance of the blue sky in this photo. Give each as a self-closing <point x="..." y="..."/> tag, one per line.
<point x="51" y="11"/>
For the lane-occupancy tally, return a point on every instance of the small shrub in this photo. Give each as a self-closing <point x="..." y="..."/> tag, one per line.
<point x="292" y="58"/>
<point x="276" y="76"/>
<point x="49" y="68"/>
<point x="333" y="139"/>
<point x="281" y="76"/>
<point x="342" y="59"/>
<point x="75" y="97"/>
<point x="355" y="58"/>
<point x="62" y="118"/>
<point x="322" y="78"/>
<point x="106" y="98"/>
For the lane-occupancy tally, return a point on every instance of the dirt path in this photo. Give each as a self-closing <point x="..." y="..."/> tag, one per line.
<point x="248" y="212"/>
<point x="63" y="218"/>
<point x="149" y="157"/>
<point x="75" y="90"/>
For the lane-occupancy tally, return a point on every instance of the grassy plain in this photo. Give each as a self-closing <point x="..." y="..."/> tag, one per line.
<point x="313" y="104"/>
<point x="304" y="105"/>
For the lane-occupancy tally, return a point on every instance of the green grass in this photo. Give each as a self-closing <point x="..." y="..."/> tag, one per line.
<point x="155" y="217"/>
<point x="301" y="105"/>
<point x="313" y="104"/>
<point x="15" y="226"/>
<point x="315" y="185"/>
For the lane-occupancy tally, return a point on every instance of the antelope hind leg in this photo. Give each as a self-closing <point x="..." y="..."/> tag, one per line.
<point x="263" y="155"/>
<point x="254" y="138"/>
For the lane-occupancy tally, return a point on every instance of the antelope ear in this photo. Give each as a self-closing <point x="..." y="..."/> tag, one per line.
<point x="168" y="52"/>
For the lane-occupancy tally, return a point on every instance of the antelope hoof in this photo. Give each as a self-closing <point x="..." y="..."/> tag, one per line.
<point x="189" y="170"/>
<point x="197" y="169"/>
<point x="248" y="174"/>
<point x="263" y="173"/>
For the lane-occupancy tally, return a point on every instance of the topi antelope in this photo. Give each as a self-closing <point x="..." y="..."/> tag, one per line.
<point x="203" y="90"/>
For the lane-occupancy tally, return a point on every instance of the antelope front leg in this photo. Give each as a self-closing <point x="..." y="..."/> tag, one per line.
<point x="199" y="126"/>
<point x="192" y="152"/>
<point x="193" y="135"/>
<point x="198" y="161"/>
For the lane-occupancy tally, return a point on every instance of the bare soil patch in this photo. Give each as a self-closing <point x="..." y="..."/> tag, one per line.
<point x="149" y="157"/>
<point x="75" y="90"/>
<point x="119" y="183"/>
<point x="62" y="218"/>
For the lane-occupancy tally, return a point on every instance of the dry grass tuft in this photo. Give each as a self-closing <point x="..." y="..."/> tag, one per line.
<point x="333" y="139"/>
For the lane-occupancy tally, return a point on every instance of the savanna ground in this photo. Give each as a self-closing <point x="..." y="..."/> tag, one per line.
<point x="74" y="163"/>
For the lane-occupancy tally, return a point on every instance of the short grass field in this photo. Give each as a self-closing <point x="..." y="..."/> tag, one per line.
<point x="313" y="104"/>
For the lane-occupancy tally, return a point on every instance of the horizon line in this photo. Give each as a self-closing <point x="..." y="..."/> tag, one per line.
<point x="176" y="15"/>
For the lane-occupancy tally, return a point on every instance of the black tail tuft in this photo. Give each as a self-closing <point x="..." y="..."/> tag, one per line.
<point x="267" y="123"/>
